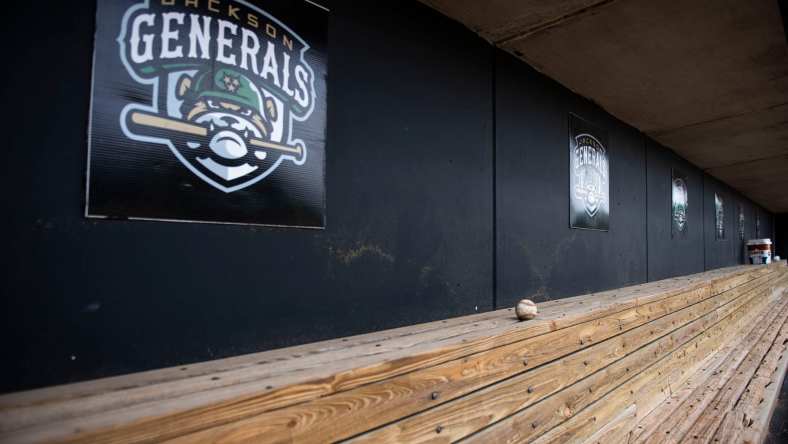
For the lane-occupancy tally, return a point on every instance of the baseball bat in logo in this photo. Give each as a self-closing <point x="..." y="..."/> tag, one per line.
<point x="228" y="83"/>
<point x="589" y="177"/>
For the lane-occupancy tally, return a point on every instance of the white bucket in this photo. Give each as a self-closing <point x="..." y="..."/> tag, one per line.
<point x="759" y="251"/>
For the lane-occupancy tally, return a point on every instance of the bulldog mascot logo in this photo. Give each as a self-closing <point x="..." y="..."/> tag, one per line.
<point x="680" y="196"/>
<point x="227" y="80"/>
<point x="591" y="173"/>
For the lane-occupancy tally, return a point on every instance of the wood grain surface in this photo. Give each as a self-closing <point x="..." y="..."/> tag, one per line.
<point x="594" y="368"/>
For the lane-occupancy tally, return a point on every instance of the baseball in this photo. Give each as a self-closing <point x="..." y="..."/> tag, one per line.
<point x="526" y="309"/>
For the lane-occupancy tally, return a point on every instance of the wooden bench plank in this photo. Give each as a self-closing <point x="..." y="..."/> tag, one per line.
<point x="652" y="419"/>
<point x="759" y="416"/>
<point x="633" y="391"/>
<point x="414" y="360"/>
<point x="291" y="360"/>
<point x="690" y="382"/>
<point x="460" y="418"/>
<point x="616" y="431"/>
<point x="355" y="411"/>
<point x="554" y="411"/>
<point x="688" y="413"/>
<point x="725" y="400"/>
<point x="666" y="409"/>
<point x="739" y="417"/>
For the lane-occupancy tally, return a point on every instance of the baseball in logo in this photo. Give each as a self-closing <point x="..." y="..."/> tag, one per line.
<point x="589" y="176"/>
<point x="232" y="93"/>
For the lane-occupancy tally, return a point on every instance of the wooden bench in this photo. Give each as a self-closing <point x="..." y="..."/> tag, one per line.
<point x="695" y="358"/>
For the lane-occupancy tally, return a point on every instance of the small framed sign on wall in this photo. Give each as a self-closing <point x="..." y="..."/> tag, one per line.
<point x="719" y="217"/>
<point x="209" y="111"/>
<point x="679" y="205"/>
<point x="589" y="176"/>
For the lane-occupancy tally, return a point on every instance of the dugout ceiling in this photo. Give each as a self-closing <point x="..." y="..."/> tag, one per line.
<point x="709" y="79"/>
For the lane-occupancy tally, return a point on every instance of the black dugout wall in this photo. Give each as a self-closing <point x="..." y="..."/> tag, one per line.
<point x="447" y="194"/>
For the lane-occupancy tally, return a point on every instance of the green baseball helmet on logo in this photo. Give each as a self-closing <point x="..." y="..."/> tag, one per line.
<point x="227" y="85"/>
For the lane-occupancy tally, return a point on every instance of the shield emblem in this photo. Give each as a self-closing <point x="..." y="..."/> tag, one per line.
<point x="679" y="206"/>
<point x="590" y="173"/>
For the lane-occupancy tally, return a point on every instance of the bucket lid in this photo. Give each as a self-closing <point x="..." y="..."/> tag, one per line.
<point x="759" y="242"/>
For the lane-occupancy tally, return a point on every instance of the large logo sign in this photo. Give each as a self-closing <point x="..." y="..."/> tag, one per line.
<point x="679" y="205"/>
<point x="589" y="174"/>
<point x="233" y="91"/>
